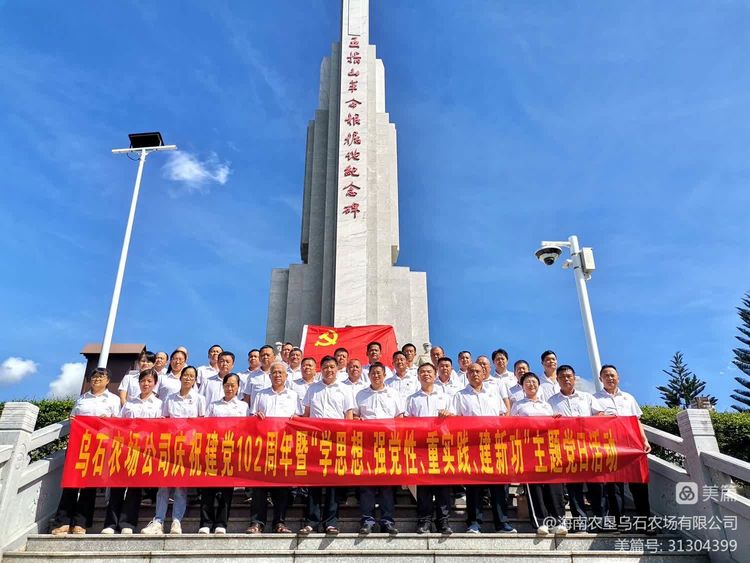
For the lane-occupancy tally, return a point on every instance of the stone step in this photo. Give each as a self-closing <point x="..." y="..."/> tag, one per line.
<point x="357" y="556"/>
<point x="411" y="548"/>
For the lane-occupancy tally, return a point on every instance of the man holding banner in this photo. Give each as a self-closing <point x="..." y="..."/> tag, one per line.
<point x="326" y="398"/>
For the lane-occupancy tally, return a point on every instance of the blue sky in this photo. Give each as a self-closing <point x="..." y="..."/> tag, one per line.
<point x="625" y="123"/>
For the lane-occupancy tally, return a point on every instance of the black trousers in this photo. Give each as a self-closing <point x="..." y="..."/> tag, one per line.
<point x="322" y="507"/>
<point x="546" y="501"/>
<point x="440" y="507"/>
<point x="216" y="502"/>
<point x="615" y="493"/>
<point x="367" y="497"/>
<point x="498" y="502"/>
<point x="123" y="508"/>
<point x="259" y="506"/>
<point x="76" y="508"/>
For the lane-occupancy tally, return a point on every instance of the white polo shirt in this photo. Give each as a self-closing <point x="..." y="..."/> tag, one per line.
<point x="212" y="389"/>
<point x="527" y="407"/>
<point x="328" y="401"/>
<point x="191" y="406"/>
<point x="578" y="403"/>
<point x="355" y="387"/>
<point x="204" y="372"/>
<point x="515" y="393"/>
<point x="169" y="384"/>
<point x="257" y="381"/>
<point x="103" y="404"/>
<point x="139" y="408"/>
<point x="450" y="387"/>
<point x="499" y="386"/>
<point x="222" y="408"/>
<point x="404" y="386"/>
<point x="546" y="389"/>
<point x="383" y="403"/>
<point x="508" y="378"/>
<point x="619" y="403"/>
<point x="429" y="404"/>
<point x="470" y="402"/>
<point x="129" y="383"/>
<point x="282" y="404"/>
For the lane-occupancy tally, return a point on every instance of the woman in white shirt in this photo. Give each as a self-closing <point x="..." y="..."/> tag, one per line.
<point x="124" y="503"/>
<point x="76" y="510"/>
<point x="216" y="502"/>
<point x="170" y="383"/>
<point x="185" y="403"/>
<point x="545" y="499"/>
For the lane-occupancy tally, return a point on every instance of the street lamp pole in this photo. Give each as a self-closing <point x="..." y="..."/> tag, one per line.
<point x="137" y="142"/>
<point x="582" y="262"/>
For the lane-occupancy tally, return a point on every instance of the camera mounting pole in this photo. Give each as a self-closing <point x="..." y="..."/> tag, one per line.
<point x="582" y="262"/>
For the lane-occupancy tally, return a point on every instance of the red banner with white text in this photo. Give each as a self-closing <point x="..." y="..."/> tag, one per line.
<point x="323" y="341"/>
<point x="223" y="452"/>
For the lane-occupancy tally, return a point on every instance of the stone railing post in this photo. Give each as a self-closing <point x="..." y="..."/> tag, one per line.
<point x="16" y="426"/>
<point x="698" y="436"/>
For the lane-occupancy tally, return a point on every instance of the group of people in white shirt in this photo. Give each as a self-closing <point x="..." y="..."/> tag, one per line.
<point x="342" y="388"/>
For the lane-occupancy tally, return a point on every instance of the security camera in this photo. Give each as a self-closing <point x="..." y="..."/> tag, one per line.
<point x="548" y="254"/>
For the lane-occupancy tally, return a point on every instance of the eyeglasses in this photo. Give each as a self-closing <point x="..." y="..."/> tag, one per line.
<point x="98" y="376"/>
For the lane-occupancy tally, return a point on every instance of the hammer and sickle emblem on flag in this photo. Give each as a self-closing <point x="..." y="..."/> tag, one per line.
<point x="328" y="338"/>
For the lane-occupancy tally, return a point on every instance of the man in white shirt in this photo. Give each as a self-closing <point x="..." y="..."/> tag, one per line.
<point x="260" y="378"/>
<point x="342" y="361"/>
<point x="571" y="402"/>
<point x="502" y="390"/>
<point x="160" y="363"/>
<point x="548" y="383"/>
<point x="479" y="399"/>
<point x="405" y="384"/>
<point x="302" y="384"/>
<point x="213" y="386"/>
<point x="355" y="381"/>
<point x="464" y="361"/>
<point x="374" y="352"/>
<point x="253" y="368"/>
<point x="377" y="402"/>
<point x="618" y="403"/>
<point x="286" y="349"/>
<point x="326" y="398"/>
<point x="206" y="371"/>
<point x="429" y="401"/>
<point x="294" y="369"/>
<point x="280" y="402"/>
<point x="500" y="359"/>
<point x="447" y="379"/>
<point x="410" y="351"/>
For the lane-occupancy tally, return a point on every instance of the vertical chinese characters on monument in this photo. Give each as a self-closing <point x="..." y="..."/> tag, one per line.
<point x="352" y="175"/>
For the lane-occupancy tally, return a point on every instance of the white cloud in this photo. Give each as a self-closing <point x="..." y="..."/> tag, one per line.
<point x="196" y="174"/>
<point x="14" y="369"/>
<point x="68" y="383"/>
<point x="585" y="385"/>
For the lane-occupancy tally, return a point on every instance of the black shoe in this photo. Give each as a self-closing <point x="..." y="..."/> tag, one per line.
<point x="366" y="528"/>
<point x="445" y="529"/>
<point x="389" y="528"/>
<point x="424" y="528"/>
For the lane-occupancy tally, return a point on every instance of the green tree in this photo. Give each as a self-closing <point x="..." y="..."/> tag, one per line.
<point x="683" y="386"/>
<point x="742" y="358"/>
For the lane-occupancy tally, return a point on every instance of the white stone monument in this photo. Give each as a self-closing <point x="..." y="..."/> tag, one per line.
<point x="350" y="238"/>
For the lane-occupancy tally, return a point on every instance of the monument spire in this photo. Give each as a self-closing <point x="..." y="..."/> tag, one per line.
<point x="350" y="237"/>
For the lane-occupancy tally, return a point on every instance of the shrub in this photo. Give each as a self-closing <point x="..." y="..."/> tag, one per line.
<point x="50" y="412"/>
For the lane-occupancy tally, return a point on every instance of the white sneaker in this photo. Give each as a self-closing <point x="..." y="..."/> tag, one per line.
<point x="220" y="530"/>
<point x="108" y="531"/>
<point x="560" y="530"/>
<point x="204" y="530"/>
<point x="154" y="527"/>
<point x="127" y="531"/>
<point x="542" y="530"/>
<point x="176" y="527"/>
